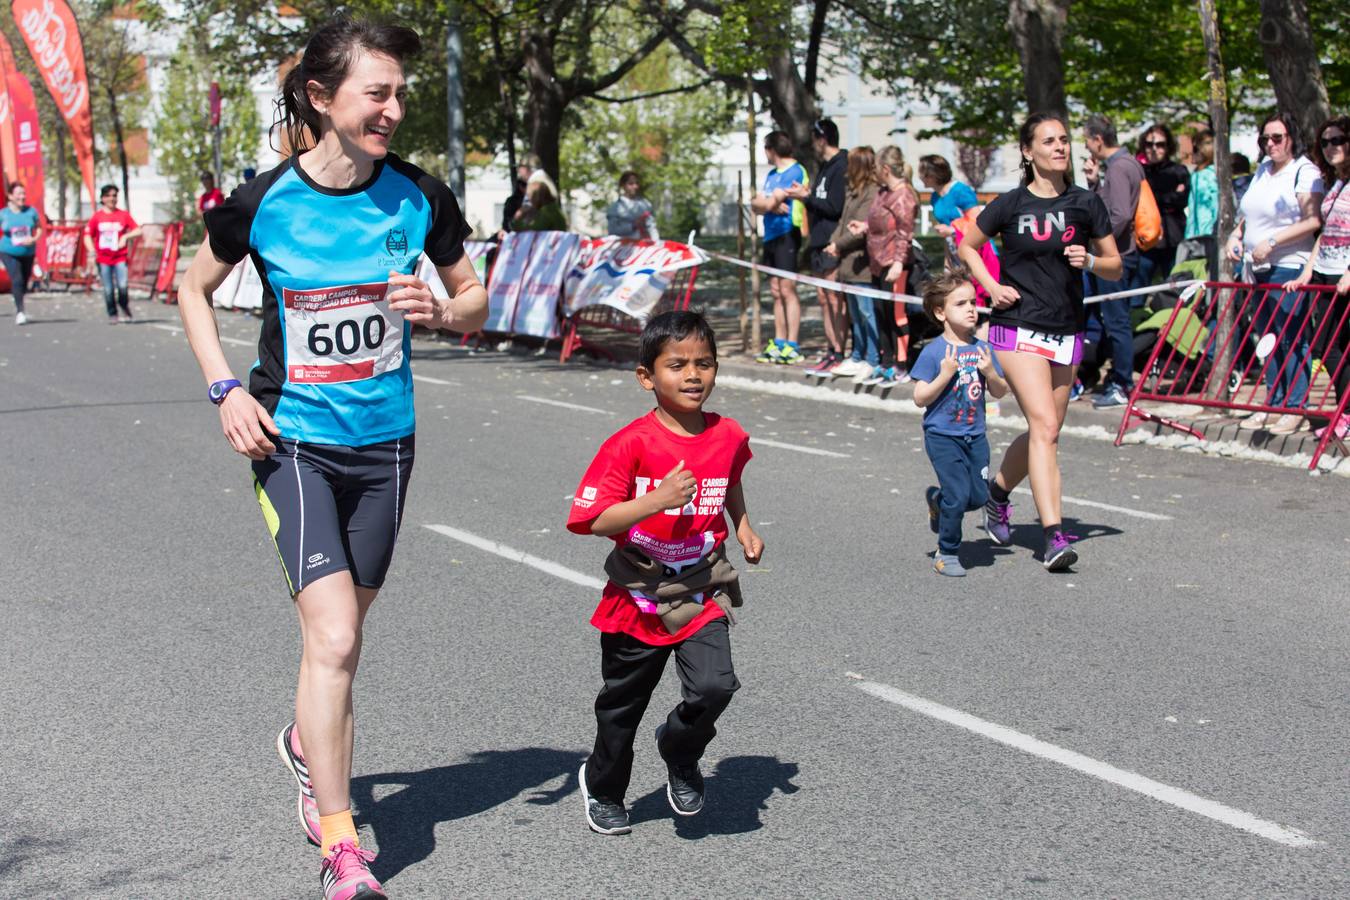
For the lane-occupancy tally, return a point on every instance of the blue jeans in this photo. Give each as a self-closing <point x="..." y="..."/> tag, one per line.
<point x="1284" y="314"/>
<point x="1117" y="328"/>
<point x="962" y="467"/>
<point x="114" y="278"/>
<point x="862" y="316"/>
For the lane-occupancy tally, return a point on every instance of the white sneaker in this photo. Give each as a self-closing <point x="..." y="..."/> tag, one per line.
<point x="1289" y="424"/>
<point x="21" y="318"/>
<point x="849" y="368"/>
<point x="1254" y="421"/>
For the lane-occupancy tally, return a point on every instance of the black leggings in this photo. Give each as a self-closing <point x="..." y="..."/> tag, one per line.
<point x="1333" y="344"/>
<point x="20" y="269"/>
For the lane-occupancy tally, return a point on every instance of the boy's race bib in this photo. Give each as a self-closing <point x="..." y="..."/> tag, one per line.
<point x="339" y="334"/>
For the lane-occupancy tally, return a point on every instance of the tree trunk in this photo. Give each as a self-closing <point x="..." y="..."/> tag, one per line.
<point x="1037" y="28"/>
<point x="545" y="104"/>
<point x="756" y="315"/>
<point x="1291" y="56"/>
<point x="814" y="38"/>
<point x="1223" y="170"/>
<point x="508" y="102"/>
<point x="790" y="103"/>
<point x="121" y="148"/>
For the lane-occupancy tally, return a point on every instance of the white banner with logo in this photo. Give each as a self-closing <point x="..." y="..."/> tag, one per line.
<point x="629" y="276"/>
<point x="527" y="281"/>
<point x="477" y="251"/>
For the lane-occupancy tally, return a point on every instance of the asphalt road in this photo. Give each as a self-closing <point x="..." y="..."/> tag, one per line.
<point x="1186" y="684"/>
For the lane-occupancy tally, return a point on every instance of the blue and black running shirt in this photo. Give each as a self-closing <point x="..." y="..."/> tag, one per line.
<point x="333" y="358"/>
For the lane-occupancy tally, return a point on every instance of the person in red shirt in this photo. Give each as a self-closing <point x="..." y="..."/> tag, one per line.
<point x="211" y="195"/>
<point x="106" y="237"/>
<point x="663" y="484"/>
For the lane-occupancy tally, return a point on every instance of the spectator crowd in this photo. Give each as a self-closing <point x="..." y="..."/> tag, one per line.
<point x="857" y="220"/>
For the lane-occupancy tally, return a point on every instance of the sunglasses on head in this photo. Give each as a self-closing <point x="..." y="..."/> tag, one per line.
<point x="1339" y="140"/>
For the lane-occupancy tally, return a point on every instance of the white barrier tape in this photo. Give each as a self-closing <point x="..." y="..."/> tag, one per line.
<point x="860" y="291"/>
<point x="841" y="287"/>
<point x="1190" y="286"/>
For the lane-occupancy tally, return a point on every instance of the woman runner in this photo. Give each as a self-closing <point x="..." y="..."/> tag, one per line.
<point x="336" y="232"/>
<point x="1037" y="323"/>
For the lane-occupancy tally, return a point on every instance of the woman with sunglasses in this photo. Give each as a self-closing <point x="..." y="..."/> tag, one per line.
<point x="1329" y="262"/>
<point x="1170" y="182"/>
<point x="1278" y="218"/>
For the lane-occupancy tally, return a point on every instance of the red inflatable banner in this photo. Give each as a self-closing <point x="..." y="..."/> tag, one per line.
<point x="53" y="38"/>
<point x="29" y="169"/>
<point x="9" y="154"/>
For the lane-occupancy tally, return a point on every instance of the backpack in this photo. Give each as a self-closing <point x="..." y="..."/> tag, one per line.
<point x="918" y="269"/>
<point x="1147" y="220"/>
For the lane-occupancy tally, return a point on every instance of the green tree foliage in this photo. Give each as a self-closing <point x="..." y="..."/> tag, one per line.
<point x="1135" y="60"/>
<point x="668" y="140"/>
<point x="183" y="145"/>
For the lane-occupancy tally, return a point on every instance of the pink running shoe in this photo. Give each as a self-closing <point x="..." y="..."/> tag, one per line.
<point x="346" y="874"/>
<point x="1339" y="430"/>
<point x="307" y="809"/>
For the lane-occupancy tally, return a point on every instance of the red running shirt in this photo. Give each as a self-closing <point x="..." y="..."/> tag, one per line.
<point x="104" y="229"/>
<point x="210" y="200"/>
<point x="631" y="463"/>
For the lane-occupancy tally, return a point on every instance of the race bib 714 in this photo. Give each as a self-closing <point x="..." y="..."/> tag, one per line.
<point x="339" y="334"/>
<point x="1057" y="348"/>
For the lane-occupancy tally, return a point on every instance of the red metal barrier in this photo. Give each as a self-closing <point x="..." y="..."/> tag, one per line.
<point x="676" y="297"/>
<point x="148" y="256"/>
<point x="66" y="256"/>
<point x="1275" y="334"/>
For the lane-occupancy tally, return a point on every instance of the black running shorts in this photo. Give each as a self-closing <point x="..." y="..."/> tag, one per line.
<point x="782" y="251"/>
<point x="331" y="508"/>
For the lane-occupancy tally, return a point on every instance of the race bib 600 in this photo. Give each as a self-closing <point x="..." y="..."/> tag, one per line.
<point x="342" y="333"/>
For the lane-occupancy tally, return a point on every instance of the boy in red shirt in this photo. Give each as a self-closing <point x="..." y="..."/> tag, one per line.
<point x="106" y="237"/>
<point x="662" y="487"/>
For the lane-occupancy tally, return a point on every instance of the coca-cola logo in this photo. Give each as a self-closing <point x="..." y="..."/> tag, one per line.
<point x="45" y="31"/>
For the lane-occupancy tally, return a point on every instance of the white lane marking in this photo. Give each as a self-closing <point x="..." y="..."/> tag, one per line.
<point x="520" y="556"/>
<point x="429" y="380"/>
<point x="764" y="442"/>
<point x="223" y="338"/>
<point x="1124" y="510"/>
<point x="564" y="404"/>
<point x="1227" y="815"/>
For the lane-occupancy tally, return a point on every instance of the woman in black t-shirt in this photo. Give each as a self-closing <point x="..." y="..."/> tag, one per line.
<point x="1036" y="327"/>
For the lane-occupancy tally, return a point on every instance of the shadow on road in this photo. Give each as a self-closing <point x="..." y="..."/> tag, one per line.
<point x="404" y="821"/>
<point x="737" y="791"/>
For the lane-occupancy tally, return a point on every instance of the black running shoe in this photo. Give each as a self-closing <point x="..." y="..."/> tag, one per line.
<point x="684" y="789"/>
<point x="603" y="816"/>
<point x="1059" y="553"/>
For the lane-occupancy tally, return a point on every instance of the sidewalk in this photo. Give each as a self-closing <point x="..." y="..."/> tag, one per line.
<point x="1222" y="436"/>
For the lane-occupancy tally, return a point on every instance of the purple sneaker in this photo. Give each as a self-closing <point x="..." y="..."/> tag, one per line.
<point x="1059" y="554"/>
<point x="306" y="807"/>
<point x="346" y="874"/>
<point x="998" y="522"/>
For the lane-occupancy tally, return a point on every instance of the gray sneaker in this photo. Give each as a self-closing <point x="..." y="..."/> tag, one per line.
<point x="603" y="816"/>
<point x="1110" y="398"/>
<point x="945" y="564"/>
